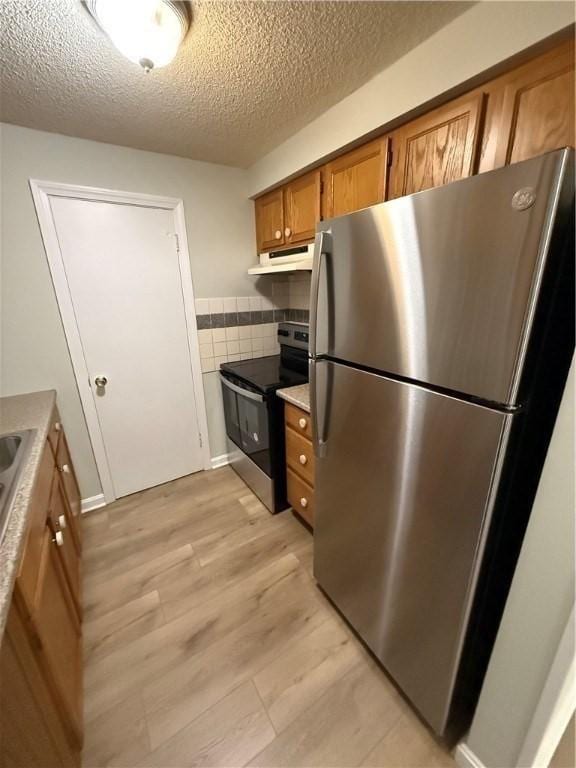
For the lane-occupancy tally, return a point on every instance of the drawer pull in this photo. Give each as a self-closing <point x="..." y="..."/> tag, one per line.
<point x="65" y="468"/>
<point x="57" y="426"/>
<point x="302" y="423"/>
<point x="303" y="502"/>
<point x="277" y="234"/>
<point x="302" y="459"/>
<point x="58" y="538"/>
<point x="62" y="521"/>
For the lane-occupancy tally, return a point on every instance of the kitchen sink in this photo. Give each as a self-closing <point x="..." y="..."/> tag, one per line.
<point x="13" y="450"/>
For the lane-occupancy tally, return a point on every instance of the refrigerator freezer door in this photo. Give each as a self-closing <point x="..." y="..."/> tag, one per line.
<point x="402" y="490"/>
<point x="439" y="286"/>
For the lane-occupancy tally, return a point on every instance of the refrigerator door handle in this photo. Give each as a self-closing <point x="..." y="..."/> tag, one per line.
<point x="321" y="249"/>
<point x="319" y="397"/>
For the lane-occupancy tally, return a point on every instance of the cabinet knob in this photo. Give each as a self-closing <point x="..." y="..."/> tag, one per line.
<point x="62" y="521"/>
<point x="58" y="538"/>
<point x="303" y="502"/>
<point x="57" y="426"/>
<point x="287" y="232"/>
<point x="303" y="460"/>
<point x="302" y="423"/>
<point x="65" y="468"/>
<point x="277" y="234"/>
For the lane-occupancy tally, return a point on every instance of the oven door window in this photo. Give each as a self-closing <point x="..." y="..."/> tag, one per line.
<point x="231" y="415"/>
<point x="253" y="418"/>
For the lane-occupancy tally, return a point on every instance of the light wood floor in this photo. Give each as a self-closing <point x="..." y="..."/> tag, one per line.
<point x="207" y="643"/>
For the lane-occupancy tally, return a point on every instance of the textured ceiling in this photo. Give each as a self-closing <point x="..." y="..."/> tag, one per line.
<point x="248" y="75"/>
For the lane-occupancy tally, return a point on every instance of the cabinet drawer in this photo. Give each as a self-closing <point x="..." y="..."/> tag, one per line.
<point x="64" y="539"/>
<point x="54" y="431"/>
<point x="299" y="420"/>
<point x="299" y="455"/>
<point x="68" y="477"/>
<point x="300" y="497"/>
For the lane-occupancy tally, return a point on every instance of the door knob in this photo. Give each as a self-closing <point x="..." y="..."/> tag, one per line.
<point x="287" y="232"/>
<point x="100" y="381"/>
<point x="277" y="234"/>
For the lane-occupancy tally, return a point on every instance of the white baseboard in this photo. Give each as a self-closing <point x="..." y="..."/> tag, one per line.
<point x="465" y="758"/>
<point x="92" y="503"/>
<point x="220" y="461"/>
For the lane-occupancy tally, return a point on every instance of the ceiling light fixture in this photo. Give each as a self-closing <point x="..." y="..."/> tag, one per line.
<point x="147" y="32"/>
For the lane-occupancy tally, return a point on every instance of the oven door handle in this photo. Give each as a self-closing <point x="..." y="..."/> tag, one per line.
<point x="239" y="390"/>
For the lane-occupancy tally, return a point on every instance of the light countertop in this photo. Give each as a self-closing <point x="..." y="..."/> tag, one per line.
<point x="17" y="413"/>
<point x="298" y="396"/>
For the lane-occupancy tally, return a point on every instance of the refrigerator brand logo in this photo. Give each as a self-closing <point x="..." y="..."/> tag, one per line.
<point x="523" y="198"/>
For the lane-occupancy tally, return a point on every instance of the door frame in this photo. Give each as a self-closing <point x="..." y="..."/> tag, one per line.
<point x="42" y="191"/>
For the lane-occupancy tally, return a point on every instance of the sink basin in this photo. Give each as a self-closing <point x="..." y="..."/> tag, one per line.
<point x="13" y="450"/>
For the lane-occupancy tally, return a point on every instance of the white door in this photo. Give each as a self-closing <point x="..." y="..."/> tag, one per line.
<point x="122" y="270"/>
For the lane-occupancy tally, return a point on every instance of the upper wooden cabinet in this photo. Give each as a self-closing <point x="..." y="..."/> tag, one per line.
<point x="302" y="208"/>
<point x="437" y="148"/>
<point x="537" y="112"/>
<point x="520" y="114"/>
<point x="288" y="216"/>
<point x="356" y="179"/>
<point x="270" y="220"/>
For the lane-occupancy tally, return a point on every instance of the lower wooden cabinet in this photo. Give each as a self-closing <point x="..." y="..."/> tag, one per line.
<point x="41" y="650"/>
<point x="300" y="462"/>
<point x="300" y="497"/>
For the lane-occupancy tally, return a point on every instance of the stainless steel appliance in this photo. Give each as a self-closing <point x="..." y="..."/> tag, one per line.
<point x="442" y="329"/>
<point x="255" y="416"/>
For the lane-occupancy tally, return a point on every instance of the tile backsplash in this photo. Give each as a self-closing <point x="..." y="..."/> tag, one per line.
<point x="241" y="328"/>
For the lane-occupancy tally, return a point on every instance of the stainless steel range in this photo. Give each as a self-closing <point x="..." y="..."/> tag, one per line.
<point x="255" y="415"/>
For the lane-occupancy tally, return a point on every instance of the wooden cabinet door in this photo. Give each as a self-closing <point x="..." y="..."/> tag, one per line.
<point x="71" y="489"/>
<point x="357" y="179"/>
<point x="56" y="625"/>
<point x="538" y="107"/>
<point x="66" y="544"/>
<point x="437" y="148"/>
<point x="270" y="220"/>
<point x="302" y="208"/>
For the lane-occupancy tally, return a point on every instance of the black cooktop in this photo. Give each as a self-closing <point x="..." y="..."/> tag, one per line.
<point x="265" y="374"/>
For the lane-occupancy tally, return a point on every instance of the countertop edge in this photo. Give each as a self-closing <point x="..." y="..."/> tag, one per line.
<point x="32" y="411"/>
<point x="298" y="396"/>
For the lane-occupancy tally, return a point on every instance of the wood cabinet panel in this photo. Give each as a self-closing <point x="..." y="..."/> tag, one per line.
<point x="30" y="563"/>
<point x="298" y="420"/>
<point x="270" y="220"/>
<point x="437" y="148"/>
<point x="356" y="179"/>
<point x="31" y="732"/>
<point x="302" y="208"/>
<point x="300" y="455"/>
<point x="57" y="628"/>
<point x="300" y="496"/>
<point x="537" y="112"/>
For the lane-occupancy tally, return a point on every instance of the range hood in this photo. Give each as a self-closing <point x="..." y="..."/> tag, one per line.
<point x="289" y="260"/>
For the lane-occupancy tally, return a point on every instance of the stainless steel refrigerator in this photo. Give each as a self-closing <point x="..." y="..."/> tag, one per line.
<point x="442" y="328"/>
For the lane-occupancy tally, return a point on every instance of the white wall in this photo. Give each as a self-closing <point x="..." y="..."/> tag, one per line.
<point x="220" y="224"/>
<point x="538" y="607"/>
<point x="480" y="38"/>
